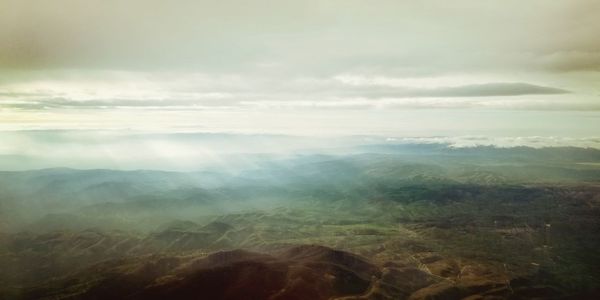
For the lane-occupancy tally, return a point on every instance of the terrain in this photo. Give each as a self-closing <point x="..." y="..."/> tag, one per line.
<point x="403" y="221"/>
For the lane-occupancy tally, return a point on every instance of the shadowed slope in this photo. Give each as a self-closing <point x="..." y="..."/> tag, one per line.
<point x="303" y="272"/>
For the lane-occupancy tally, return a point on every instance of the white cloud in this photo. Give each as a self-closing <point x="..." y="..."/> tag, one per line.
<point x="292" y="65"/>
<point x="505" y="142"/>
<point x="427" y="82"/>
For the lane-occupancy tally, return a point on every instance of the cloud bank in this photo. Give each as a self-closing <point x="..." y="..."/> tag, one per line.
<point x="147" y="63"/>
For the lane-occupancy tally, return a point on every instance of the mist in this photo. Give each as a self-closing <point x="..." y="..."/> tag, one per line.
<point x="305" y="150"/>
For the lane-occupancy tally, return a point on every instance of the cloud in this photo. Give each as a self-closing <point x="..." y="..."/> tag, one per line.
<point x="495" y="89"/>
<point x="566" y="61"/>
<point x="287" y="38"/>
<point x="460" y="96"/>
<point x="472" y="90"/>
<point x="257" y="64"/>
<point x="455" y="103"/>
<point x="504" y="142"/>
<point x="197" y="91"/>
<point x="61" y="103"/>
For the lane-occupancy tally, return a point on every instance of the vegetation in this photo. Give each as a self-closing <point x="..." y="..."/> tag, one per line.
<point x="452" y="223"/>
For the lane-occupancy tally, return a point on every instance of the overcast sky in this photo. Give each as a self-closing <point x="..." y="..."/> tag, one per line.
<point x="397" y="68"/>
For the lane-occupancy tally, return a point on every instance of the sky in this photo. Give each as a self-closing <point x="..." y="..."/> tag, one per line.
<point x="391" y="68"/>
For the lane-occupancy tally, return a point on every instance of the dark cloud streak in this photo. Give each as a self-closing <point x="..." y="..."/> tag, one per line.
<point x="37" y="101"/>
